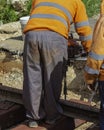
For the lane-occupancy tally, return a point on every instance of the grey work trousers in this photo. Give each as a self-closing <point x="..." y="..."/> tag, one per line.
<point x="43" y="62"/>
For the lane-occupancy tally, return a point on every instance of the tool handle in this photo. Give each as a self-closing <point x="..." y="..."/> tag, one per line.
<point x="91" y="97"/>
<point x="93" y="93"/>
<point x="102" y="8"/>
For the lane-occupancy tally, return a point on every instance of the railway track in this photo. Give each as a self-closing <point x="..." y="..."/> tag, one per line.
<point x="11" y="102"/>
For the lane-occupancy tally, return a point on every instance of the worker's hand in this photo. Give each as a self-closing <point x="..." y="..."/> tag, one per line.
<point x="91" y="87"/>
<point x="72" y="42"/>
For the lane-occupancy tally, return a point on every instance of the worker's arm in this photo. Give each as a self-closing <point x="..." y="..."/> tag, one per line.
<point x="95" y="63"/>
<point x="82" y="26"/>
<point x="92" y="70"/>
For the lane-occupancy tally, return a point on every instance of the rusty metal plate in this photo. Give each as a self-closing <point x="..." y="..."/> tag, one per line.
<point x="63" y="124"/>
<point x="25" y="127"/>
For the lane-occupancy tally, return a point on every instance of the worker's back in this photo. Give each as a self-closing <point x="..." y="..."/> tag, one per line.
<point x="57" y="16"/>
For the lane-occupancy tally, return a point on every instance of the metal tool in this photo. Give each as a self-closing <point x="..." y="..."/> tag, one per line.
<point x="75" y="53"/>
<point x="93" y="92"/>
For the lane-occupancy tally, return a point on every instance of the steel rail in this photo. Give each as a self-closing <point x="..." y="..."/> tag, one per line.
<point x="71" y="108"/>
<point x="80" y="110"/>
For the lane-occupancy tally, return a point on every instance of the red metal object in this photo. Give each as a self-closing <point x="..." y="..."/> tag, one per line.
<point x="64" y="123"/>
<point x="24" y="127"/>
<point x="68" y="124"/>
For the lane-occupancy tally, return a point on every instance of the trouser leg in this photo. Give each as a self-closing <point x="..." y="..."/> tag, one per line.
<point x="101" y="93"/>
<point x="53" y="55"/>
<point x="32" y="85"/>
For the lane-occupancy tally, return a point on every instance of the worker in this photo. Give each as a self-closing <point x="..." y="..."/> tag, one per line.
<point x="45" y="54"/>
<point x="94" y="69"/>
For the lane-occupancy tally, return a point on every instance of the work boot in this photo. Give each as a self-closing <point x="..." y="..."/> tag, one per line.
<point x="32" y="123"/>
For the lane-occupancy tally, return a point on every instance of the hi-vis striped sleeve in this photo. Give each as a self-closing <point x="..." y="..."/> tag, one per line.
<point x="94" y="65"/>
<point x="78" y="27"/>
<point x="82" y="27"/>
